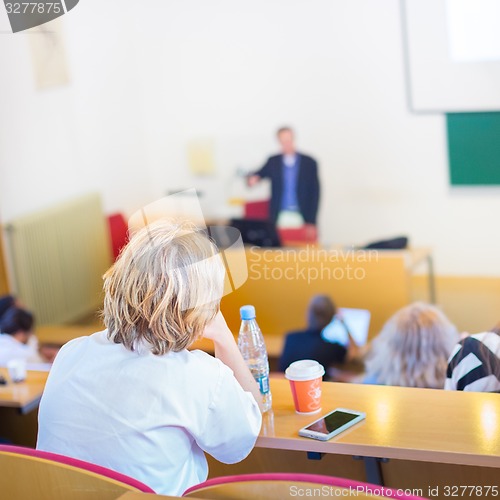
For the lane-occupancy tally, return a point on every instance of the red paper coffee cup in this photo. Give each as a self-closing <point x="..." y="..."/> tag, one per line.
<point x="305" y="378"/>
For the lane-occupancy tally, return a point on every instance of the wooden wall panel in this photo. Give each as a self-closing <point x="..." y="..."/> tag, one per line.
<point x="4" y="284"/>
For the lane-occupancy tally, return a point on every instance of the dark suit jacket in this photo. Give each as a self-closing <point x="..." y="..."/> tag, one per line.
<point x="309" y="345"/>
<point x="307" y="186"/>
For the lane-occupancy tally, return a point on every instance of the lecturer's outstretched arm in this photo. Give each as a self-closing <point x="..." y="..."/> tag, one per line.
<point x="254" y="178"/>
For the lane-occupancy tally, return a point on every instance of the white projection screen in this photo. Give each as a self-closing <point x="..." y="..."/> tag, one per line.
<point x="453" y="54"/>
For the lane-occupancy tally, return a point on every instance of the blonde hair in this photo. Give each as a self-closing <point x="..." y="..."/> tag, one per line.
<point x="412" y="349"/>
<point x="164" y="288"/>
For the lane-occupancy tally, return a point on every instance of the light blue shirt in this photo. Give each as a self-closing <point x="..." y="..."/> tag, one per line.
<point x="290" y="173"/>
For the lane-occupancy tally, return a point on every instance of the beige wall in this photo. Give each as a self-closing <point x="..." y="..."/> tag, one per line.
<point x="145" y="82"/>
<point x="4" y="285"/>
<point x="472" y="302"/>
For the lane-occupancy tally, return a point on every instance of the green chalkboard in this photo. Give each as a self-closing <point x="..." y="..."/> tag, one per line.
<point x="474" y="148"/>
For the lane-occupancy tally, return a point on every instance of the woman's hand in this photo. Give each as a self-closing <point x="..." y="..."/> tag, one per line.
<point x="227" y="351"/>
<point x="217" y="330"/>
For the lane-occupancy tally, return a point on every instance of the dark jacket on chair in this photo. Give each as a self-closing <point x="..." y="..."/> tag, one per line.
<point x="309" y="344"/>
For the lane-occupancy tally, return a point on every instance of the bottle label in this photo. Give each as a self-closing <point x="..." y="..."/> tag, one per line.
<point x="263" y="382"/>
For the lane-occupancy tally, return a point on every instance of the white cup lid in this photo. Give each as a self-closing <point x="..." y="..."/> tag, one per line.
<point x="305" y="369"/>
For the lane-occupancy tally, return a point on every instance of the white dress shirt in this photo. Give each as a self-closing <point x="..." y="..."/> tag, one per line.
<point x="149" y="417"/>
<point x="289" y="160"/>
<point x="11" y="349"/>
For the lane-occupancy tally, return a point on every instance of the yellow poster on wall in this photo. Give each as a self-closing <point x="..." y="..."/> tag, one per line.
<point x="201" y="157"/>
<point x="50" y="67"/>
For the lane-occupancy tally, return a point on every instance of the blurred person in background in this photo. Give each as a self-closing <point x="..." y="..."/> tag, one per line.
<point x="413" y="348"/>
<point x="6" y="302"/>
<point x="45" y="353"/>
<point x="16" y="337"/>
<point x="474" y="364"/>
<point x="308" y="343"/>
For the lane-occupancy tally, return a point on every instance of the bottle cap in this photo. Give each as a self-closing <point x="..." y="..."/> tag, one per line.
<point x="247" y="312"/>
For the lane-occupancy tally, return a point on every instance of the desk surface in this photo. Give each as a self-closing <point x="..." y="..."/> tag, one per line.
<point x="23" y="395"/>
<point x="409" y="424"/>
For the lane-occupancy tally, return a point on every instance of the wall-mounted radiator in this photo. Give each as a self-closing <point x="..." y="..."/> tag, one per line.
<point x="57" y="257"/>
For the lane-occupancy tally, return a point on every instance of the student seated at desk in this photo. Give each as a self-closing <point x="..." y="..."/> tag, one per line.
<point x="6" y="302"/>
<point x="309" y="344"/>
<point x="474" y="364"/>
<point x="412" y="349"/>
<point x="16" y="338"/>
<point x="132" y="397"/>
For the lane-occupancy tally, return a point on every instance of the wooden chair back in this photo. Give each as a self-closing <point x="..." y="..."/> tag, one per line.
<point x="28" y="474"/>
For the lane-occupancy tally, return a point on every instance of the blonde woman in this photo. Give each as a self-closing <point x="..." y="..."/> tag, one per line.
<point x="132" y="397"/>
<point x="412" y="349"/>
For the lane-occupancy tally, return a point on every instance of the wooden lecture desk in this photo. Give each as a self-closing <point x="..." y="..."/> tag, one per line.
<point x="19" y="407"/>
<point x="280" y="282"/>
<point x="274" y="345"/>
<point x="427" y="425"/>
<point x="60" y="334"/>
<point x="25" y="396"/>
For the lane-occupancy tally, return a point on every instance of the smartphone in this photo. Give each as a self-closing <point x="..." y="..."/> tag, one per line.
<point x="331" y="424"/>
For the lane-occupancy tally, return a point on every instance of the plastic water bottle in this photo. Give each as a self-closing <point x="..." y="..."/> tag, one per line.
<point x="252" y="347"/>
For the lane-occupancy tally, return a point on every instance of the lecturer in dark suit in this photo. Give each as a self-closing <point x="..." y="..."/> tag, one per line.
<point x="294" y="184"/>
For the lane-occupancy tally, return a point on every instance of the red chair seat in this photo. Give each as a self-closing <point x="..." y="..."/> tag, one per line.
<point x="118" y="230"/>
<point x="257" y="210"/>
